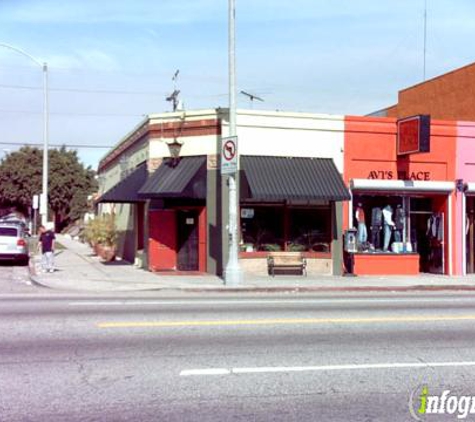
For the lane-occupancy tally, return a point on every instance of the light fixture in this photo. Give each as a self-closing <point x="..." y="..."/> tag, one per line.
<point x="174" y="147"/>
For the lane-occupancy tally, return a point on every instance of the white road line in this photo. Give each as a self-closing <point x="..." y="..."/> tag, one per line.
<point x="264" y="302"/>
<point x="280" y="369"/>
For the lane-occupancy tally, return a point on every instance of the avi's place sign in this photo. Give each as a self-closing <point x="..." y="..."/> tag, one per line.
<point x="413" y="135"/>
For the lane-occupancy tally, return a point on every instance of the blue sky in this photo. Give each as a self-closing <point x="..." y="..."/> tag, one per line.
<point x="111" y="61"/>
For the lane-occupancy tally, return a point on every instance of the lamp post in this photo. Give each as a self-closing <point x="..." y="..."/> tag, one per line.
<point x="232" y="272"/>
<point x="44" y="193"/>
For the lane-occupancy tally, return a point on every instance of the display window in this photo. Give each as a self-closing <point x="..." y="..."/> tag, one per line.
<point x="285" y="228"/>
<point x="400" y="224"/>
<point x="381" y="223"/>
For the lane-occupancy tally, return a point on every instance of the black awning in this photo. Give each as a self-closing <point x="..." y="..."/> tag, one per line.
<point x="185" y="179"/>
<point x="285" y="178"/>
<point x="127" y="189"/>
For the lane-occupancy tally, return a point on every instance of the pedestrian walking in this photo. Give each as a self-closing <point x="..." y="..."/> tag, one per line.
<point x="46" y="242"/>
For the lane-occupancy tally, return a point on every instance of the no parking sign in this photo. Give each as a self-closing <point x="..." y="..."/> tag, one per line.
<point x="229" y="155"/>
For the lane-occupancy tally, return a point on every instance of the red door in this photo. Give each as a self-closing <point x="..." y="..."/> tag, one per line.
<point x="162" y="240"/>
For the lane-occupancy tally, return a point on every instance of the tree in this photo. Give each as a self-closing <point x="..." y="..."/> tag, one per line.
<point x="70" y="183"/>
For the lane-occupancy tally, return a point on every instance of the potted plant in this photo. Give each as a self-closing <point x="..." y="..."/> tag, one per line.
<point x="101" y="234"/>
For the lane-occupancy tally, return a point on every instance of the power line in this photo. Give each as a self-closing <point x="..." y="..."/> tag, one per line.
<point x="85" y="91"/>
<point x="74" y="114"/>
<point x="105" y="91"/>
<point x="58" y="145"/>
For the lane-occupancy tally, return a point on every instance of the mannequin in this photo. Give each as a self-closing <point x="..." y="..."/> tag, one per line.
<point x="388" y="226"/>
<point x="362" y="235"/>
<point x="399" y="221"/>
<point x="376" y="224"/>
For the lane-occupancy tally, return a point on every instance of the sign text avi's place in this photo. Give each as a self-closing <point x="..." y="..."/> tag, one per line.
<point x="399" y="175"/>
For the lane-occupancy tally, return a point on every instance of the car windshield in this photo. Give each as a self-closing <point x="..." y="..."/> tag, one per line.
<point x="8" y="231"/>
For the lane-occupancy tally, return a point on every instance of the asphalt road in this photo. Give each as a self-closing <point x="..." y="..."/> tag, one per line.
<point x="228" y="358"/>
<point x="15" y="278"/>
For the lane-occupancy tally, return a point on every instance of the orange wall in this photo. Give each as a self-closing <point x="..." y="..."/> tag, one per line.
<point x="370" y="152"/>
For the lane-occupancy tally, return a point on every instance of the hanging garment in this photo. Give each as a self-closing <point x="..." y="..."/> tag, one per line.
<point x="376" y="237"/>
<point x="399" y="218"/>
<point x="435" y="227"/>
<point x="376" y="217"/>
<point x="359" y="215"/>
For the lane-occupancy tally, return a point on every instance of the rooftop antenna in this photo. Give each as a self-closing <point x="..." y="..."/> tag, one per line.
<point x="252" y="97"/>
<point x="173" y="97"/>
<point x="425" y="40"/>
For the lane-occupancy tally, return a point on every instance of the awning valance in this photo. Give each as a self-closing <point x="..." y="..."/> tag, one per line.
<point x="296" y="178"/>
<point x="126" y="191"/>
<point x="401" y="185"/>
<point x="183" y="179"/>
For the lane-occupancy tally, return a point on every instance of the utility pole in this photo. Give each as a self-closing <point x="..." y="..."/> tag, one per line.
<point x="232" y="272"/>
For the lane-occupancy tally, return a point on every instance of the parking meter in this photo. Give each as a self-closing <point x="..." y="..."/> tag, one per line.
<point x="350" y="247"/>
<point x="350" y="243"/>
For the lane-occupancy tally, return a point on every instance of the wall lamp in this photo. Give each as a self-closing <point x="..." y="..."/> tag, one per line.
<point x="174" y="147"/>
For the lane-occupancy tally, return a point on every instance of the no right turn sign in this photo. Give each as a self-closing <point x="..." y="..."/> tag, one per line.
<point x="229" y="155"/>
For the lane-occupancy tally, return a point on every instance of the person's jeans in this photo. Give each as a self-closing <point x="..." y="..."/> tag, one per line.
<point x="47" y="261"/>
<point x="362" y="235"/>
<point x="387" y="236"/>
<point x="397" y="236"/>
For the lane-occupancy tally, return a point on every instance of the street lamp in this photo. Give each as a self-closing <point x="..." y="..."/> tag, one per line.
<point x="44" y="194"/>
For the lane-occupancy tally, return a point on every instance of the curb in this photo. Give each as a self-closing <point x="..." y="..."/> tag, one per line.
<point x="277" y="289"/>
<point x="310" y="289"/>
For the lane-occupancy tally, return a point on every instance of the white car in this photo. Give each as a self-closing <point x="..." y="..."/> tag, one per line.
<point x="13" y="243"/>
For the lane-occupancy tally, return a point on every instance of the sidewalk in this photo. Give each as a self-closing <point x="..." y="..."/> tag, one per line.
<point x="78" y="270"/>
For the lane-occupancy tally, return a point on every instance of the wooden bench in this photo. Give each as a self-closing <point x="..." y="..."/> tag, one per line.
<point x="286" y="261"/>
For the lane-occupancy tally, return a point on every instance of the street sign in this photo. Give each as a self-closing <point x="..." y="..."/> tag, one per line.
<point x="229" y="155"/>
<point x="43" y="204"/>
<point x="36" y="200"/>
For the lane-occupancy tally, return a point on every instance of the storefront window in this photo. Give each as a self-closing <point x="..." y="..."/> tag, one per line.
<point x="262" y="229"/>
<point x="382" y="223"/>
<point x="310" y="230"/>
<point x="279" y="228"/>
<point x="401" y="224"/>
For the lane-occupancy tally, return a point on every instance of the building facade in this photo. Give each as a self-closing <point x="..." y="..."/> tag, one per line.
<point x="431" y="221"/>
<point x="175" y="217"/>
<point x="303" y="180"/>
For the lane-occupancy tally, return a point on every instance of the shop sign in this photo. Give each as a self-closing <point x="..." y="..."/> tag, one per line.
<point x="399" y="175"/>
<point x="413" y="135"/>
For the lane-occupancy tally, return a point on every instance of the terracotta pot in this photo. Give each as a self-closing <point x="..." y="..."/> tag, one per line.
<point x="106" y="253"/>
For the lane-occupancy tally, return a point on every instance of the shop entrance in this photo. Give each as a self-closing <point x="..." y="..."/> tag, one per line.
<point x="187" y="245"/>
<point x="470" y="234"/>
<point x="427" y="235"/>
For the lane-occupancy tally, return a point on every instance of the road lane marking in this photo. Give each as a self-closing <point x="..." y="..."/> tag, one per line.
<point x="282" y="369"/>
<point x="265" y="302"/>
<point x="283" y="321"/>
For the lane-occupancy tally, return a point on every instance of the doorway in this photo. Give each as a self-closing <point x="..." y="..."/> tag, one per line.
<point x="187" y="236"/>
<point x="427" y="235"/>
<point x="470" y="234"/>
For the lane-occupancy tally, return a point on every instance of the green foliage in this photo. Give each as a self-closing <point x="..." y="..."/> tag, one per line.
<point x="271" y="247"/>
<point x="296" y="247"/>
<point x="70" y="183"/>
<point x="101" y="231"/>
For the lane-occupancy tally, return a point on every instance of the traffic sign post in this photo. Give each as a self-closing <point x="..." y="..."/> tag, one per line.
<point x="229" y="155"/>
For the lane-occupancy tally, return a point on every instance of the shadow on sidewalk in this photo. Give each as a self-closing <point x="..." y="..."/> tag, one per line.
<point x="116" y="263"/>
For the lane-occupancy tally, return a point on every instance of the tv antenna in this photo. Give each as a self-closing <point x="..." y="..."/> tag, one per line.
<point x="252" y="97"/>
<point x="425" y="41"/>
<point x="173" y="97"/>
